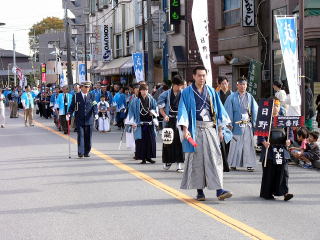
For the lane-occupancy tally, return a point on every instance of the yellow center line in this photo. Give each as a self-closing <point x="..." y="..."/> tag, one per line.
<point x="210" y="211"/>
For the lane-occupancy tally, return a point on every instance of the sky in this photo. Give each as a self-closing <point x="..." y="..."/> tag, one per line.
<point x="20" y="15"/>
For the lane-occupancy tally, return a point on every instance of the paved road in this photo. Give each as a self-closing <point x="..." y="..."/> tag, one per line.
<point x="44" y="195"/>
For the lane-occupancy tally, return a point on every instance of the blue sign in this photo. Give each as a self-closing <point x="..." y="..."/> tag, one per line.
<point x="82" y="72"/>
<point x="138" y="65"/>
<point x="287" y="28"/>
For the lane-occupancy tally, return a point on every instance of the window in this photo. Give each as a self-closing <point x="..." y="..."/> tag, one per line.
<point x="311" y="63"/>
<point x="279" y="72"/>
<point x="129" y="43"/>
<point x="93" y="7"/>
<point x="231" y="12"/>
<point x="278" y="11"/>
<point x="118" y="46"/>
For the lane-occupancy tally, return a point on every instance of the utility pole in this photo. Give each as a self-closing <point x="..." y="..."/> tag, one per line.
<point x="14" y="62"/>
<point x="301" y="55"/>
<point x="150" y="44"/>
<point x="165" y="45"/>
<point x="85" y="51"/>
<point x="69" y="67"/>
<point x="143" y="39"/>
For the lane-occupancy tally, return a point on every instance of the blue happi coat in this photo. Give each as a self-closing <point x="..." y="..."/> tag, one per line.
<point x="187" y="113"/>
<point x="60" y="103"/>
<point x="134" y="114"/>
<point x="164" y="102"/>
<point x="119" y="101"/>
<point x="233" y="109"/>
<point x="26" y="101"/>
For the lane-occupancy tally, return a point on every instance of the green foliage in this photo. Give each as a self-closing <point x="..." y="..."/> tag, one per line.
<point x="46" y="24"/>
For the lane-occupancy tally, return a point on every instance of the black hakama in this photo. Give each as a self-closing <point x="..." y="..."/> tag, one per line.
<point x="146" y="146"/>
<point x="172" y="153"/>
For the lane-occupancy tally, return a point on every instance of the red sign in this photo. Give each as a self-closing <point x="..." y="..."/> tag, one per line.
<point x="43" y="72"/>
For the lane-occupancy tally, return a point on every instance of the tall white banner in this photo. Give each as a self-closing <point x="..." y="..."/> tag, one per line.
<point x="200" y="24"/>
<point x="287" y="28"/>
<point x="106" y="43"/>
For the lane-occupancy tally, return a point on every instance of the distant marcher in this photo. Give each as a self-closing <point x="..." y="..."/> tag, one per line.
<point x="62" y="105"/>
<point x="224" y="93"/>
<point x="141" y="115"/>
<point x="104" y="114"/>
<point x="2" y="109"/>
<point x="27" y="100"/>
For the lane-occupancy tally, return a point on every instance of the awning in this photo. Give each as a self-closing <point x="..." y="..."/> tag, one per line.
<point x="127" y="68"/>
<point x="113" y="68"/>
<point x="311" y="8"/>
<point x="97" y="69"/>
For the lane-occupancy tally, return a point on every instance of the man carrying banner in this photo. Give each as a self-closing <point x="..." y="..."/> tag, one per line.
<point x="168" y="103"/>
<point x="202" y="117"/>
<point x="275" y="170"/>
<point x="242" y="109"/>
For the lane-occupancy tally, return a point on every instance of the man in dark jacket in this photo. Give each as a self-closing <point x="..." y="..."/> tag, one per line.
<point x="85" y="108"/>
<point x="309" y="112"/>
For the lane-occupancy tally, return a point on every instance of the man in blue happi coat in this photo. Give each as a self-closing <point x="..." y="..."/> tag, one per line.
<point x="202" y="117"/>
<point x="242" y="109"/>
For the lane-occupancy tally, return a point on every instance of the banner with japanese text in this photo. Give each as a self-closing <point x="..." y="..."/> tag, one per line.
<point x="138" y="65"/>
<point x="287" y="28"/>
<point x="254" y="77"/>
<point x="200" y="24"/>
<point x="264" y="118"/>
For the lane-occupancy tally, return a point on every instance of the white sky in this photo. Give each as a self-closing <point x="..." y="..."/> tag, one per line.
<point x="22" y="14"/>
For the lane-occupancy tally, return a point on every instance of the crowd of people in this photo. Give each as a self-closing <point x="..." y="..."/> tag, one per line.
<point x="205" y="131"/>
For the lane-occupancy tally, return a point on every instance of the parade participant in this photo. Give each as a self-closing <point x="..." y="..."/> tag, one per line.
<point x="130" y="142"/>
<point x="224" y="92"/>
<point x="53" y="100"/>
<point x="104" y="115"/>
<point x="27" y="100"/>
<point x="168" y="103"/>
<point x="107" y="94"/>
<point x="119" y="102"/>
<point x="76" y="89"/>
<point x="242" y="109"/>
<point x="62" y="105"/>
<point x="275" y="175"/>
<point x="2" y="109"/>
<point x="202" y="117"/>
<point x="142" y="112"/>
<point x="14" y="99"/>
<point x="85" y="109"/>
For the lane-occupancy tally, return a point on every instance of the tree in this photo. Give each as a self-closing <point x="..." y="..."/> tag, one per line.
<point x="49" y="23"/>
<point x="46" y="24"/>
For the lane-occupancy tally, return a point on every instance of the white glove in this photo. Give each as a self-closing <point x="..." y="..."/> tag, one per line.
<point x="68" y="117"/>
<point x="96" y="117"/>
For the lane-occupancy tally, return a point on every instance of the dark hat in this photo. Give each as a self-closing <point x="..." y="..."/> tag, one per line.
<point x="242" y="80"/>
<point x="136" y="85"/>
<point x="86" y="84"/>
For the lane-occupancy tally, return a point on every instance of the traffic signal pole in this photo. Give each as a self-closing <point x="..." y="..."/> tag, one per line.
<point x="150" y="45"/>
<point x="69" y="67"/>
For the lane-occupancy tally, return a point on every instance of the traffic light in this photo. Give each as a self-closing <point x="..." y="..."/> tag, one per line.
<point x="175" y="12"/>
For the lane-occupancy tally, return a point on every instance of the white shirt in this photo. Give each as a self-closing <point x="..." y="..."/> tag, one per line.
<point x="84" y="95"/>
<point x="2" y="98"/>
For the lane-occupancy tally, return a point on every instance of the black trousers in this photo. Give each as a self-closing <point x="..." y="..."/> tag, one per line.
<point x="63" y="123"/>
<point x="225" y="152"/>
<point x="84" y="139"/>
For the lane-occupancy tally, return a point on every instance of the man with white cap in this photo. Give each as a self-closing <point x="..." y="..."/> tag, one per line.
<point x="85" y="108"/>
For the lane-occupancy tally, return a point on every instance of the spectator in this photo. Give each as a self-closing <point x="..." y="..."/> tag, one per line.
<point x="27" y="101"/>
<point x="302" y="136"/>
<point x="281" y="95"/>
<point x="311" y="153"/>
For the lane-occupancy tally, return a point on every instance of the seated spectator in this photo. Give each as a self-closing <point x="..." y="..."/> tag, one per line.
<point x="311" y="153"/>
<point x="302" y="136"/>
